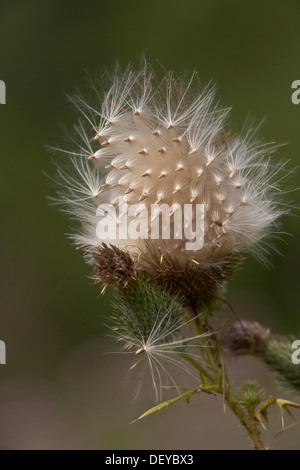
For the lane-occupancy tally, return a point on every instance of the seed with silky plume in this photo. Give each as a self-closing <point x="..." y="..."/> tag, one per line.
<point x="151" y="323"/>
<point x="166" y="142"/>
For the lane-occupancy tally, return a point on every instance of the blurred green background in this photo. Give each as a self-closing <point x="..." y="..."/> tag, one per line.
<point x="59" y="388"/>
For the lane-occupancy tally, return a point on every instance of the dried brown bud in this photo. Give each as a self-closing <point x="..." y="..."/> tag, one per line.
<point x="112" y="266"/>
<point x="198" y="285"/>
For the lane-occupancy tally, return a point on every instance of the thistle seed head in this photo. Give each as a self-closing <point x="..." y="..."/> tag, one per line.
<point x="167" y="142"/>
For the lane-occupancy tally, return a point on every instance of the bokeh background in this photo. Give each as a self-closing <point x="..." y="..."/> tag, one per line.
<point x="60" y="388"/>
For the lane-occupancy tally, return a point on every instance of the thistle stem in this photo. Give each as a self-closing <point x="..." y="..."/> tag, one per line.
<point x="220" y="385"/>
<point x="248" y="424"/>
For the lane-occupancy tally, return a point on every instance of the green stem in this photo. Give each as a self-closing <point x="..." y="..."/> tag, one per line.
<point x="221" y="386"/>
<point x="249" y="424"/>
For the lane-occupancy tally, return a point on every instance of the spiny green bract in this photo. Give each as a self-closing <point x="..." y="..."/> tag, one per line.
<point x="250" y="394"/>
<point x="146" y="314"/>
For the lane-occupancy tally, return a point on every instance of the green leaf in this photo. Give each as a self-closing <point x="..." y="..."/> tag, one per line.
<point x="167" y="403"/>
<point x="173" y="387"/>
<point x="286" y="428"/>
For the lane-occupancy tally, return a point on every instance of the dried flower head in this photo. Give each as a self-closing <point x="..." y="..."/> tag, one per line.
<point x="161" y="144"/>
<point x="112" y="266"/>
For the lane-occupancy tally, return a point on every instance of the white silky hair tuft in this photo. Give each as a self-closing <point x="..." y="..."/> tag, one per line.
<point x="166" y="141"/>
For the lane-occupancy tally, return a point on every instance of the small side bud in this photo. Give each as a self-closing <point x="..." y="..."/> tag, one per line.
<point x="246" y="337"/>
<point x="250" y="394"/>
<point x="278" y="356"/>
